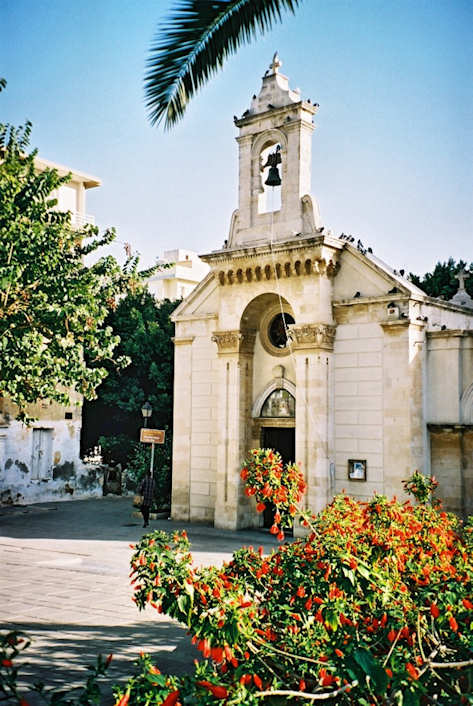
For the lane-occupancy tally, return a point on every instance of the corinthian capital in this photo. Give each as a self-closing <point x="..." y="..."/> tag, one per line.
<point x="234" y="341"/>
<point x="313" y="336"/>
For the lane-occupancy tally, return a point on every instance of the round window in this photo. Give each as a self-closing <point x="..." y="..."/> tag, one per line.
<point x="277" y="330"/>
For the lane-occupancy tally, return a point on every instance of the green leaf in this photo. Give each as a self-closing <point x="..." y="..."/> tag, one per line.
<point x="410" y="698"/>
<point x="372" y="669"/>
<point x="193" y="44"/>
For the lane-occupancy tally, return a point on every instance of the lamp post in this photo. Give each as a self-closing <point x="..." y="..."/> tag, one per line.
<point x="147" y="411"/>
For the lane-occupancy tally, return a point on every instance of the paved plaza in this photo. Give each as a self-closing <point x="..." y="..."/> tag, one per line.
<point x="64" y="581"/>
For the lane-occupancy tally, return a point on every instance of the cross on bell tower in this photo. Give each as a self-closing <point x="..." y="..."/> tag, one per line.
<point x="275" y="142"/>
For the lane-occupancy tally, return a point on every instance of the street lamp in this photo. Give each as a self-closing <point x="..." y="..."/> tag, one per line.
<point x="146" y="411"/>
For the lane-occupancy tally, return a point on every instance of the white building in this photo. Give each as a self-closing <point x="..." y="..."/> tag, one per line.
<point x="42" y="462"/>
<point x="307" y="343"/>
<point x="179" y="280"/>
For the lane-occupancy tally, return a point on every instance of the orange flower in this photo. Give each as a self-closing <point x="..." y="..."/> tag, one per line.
<point x="453" y="623"/>
<point x="467" y="604"/>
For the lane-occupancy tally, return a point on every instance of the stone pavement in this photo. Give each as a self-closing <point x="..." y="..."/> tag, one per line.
<point x="64" y="581"/>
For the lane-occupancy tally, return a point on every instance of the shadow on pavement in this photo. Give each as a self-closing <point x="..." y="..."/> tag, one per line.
<point x="61" y="653"/>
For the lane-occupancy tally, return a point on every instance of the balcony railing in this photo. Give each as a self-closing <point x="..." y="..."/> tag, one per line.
<point x="79" y="220"/>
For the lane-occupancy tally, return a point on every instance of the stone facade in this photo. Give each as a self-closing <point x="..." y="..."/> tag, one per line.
<point x="356" y="351"/>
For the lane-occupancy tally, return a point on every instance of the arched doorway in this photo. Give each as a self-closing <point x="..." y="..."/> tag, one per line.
<point x="276" y="422"/>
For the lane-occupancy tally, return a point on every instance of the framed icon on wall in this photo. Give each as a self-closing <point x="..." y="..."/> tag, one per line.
<point x="357" y="469"/>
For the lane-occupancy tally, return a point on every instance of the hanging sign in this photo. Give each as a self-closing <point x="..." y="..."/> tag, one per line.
<point x="152" y="436"/>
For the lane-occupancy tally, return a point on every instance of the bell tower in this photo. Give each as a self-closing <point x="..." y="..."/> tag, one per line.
<point x="275" y="142"/>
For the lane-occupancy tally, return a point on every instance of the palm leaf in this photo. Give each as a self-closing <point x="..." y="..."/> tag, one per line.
<point x="194" y="42"/>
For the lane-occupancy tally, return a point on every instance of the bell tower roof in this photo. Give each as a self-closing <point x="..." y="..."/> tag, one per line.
<point x="275" y="135"/>
<point x="275" y="93"/>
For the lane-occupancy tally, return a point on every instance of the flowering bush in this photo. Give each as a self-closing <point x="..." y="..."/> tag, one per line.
<point x="374" y="606"/>
<point x="269" y="481"/>
<point x="420" y="487"/>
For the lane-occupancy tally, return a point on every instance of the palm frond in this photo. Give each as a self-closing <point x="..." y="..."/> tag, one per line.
<point x="193" y="44"/>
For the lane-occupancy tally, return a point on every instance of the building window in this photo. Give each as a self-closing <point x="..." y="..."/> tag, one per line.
<point x="279" y="403"/>
<point x="274" y="329"/>
<point x="277" y="330"/>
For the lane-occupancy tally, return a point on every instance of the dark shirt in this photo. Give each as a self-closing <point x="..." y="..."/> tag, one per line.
<point x="147" y="490"/>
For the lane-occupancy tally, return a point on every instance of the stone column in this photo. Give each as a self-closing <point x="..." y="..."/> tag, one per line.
<point x="182" y="430"/>
<point x="245" y="196"/>
<point x="313" y="352"/>
<point x="235" y="352"/>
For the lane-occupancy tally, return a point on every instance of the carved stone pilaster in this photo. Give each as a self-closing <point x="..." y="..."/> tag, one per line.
<point x="247" y="342"/>
<point x="229" y="342"/>
<point x="312" y="336"/>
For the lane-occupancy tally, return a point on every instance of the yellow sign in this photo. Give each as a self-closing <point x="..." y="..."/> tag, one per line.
<point x="152" y="436"/>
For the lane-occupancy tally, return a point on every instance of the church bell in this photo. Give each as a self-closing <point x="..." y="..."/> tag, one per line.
<point x="273" y="177"/>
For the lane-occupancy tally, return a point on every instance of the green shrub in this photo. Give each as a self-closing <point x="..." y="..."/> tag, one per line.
<point x="139" y="462"/>
<point x="116" y="449"/>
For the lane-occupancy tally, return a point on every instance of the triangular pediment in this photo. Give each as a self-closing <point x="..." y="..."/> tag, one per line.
<point x="201" y="302"/>
<point x="364" y="275"/>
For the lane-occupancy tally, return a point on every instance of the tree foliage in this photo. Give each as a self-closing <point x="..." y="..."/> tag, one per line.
<point x="144" y="329"/>
<point x="192" y="45"/>
<point x="54" y="340"/>
<point x="441" y="282"/>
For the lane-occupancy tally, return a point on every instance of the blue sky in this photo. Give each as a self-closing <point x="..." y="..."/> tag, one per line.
<point x="392" y="151"/>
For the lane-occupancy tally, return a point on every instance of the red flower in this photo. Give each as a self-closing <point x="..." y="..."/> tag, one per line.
<point x="412" y="671"/>
<point x="338" y="652"/>
<point x="257" y="681"/>
<point x="244" y="473"/>
<point x="7" y="663"/>
<point x="468" y="604"/>
<point x="171" y="699"/>
<point x="389" y="672"/>
<point x="109" y="659"/>
<point x="434" y="611"/>
<point x="391" y="635"/>
<point x="260" y="507"/>
<point x="218" y="691"/>
<point x="302" y="685"/>
<point x="453" y="623"/>
<point x="274" y="529"/>
<point x="125" y="698"/>
<point x="154" y="670"/>
<point x="301" y="591"/>
<point x="280" y="536"/>
<point x="326" y="678"/>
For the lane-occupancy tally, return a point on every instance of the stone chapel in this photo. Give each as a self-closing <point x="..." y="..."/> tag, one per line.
<point x="307" y="343"/>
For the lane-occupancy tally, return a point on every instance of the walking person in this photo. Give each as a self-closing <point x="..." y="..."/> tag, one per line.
<point x="147" y="491"/>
